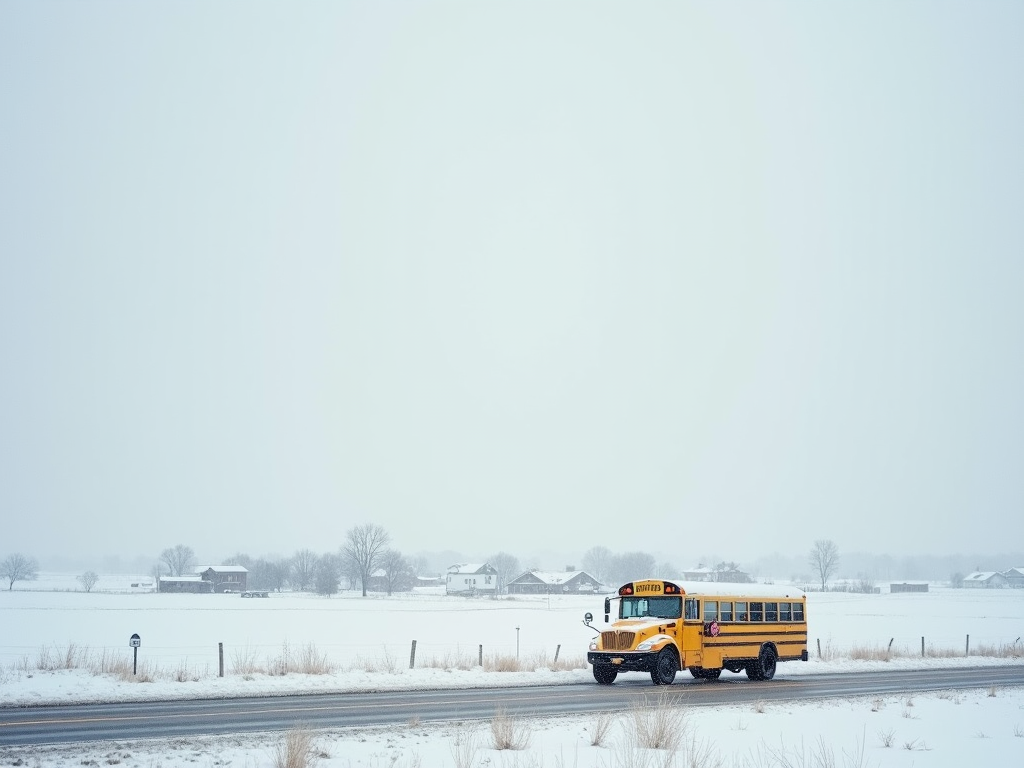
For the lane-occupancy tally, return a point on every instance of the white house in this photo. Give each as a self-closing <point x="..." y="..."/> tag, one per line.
<point x="471" y="579"/>
<point x="985" y="580"/>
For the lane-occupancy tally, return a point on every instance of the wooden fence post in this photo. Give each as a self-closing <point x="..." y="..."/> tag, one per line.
<point x="819" y="647"/>
<point x="557" y="649"/>
<point x="220" y="655"/>
<point x="922" y="646"/>
<point x="412" y="655"/>
<point x="967" y="649"/>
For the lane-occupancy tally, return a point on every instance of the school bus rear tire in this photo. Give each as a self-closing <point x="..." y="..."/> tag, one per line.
<point x="763" y="668"/>
<point x="605" y="675"/>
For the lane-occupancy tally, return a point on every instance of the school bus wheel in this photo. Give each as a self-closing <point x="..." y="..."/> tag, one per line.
<point x="763" y="668"/>
<point x="666" y="664"/>
<point x="605" y="674"/>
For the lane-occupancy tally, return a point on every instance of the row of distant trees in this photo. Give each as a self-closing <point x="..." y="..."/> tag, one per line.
<point x="366" y="552"/>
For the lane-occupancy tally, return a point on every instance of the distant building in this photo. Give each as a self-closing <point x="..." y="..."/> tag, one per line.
<point x="985" y="580"/>
<point x="722" y="573"/>
<point x="189" y="584"/>
<point x="1015" y="577"/>
<point x="553" y="583"/>
<point x="471" y="579"/>
<point x="224" y="578"/>
<point x="909" y="586"/>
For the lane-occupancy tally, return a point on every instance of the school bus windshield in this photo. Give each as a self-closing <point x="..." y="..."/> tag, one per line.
<point x="654" y="607"/>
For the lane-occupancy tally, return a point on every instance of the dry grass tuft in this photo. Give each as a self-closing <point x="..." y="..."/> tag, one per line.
<point x="507" y="732"/>
<point x="499" y="663"/>
<point x="872" y="653"/>
<point x="54" y="657"/>
<point x="464" y="748"/>
<point x="308" y="660"/>
<point x="298" y="750"/>
<point x="245" y="661"/>
<point x="386" y="663"/>
<point x="599" y="733"/>
<point x="450" y="660"/>
<point x="184" y="673"/>
<point x="658" y="726"/>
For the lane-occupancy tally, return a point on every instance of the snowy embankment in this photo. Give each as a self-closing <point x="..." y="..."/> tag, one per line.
<point x="64" y="646"/>
<point x="366" y="644"/>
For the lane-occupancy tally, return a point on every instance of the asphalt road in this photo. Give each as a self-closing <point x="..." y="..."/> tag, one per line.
<point x="98" y="722"/>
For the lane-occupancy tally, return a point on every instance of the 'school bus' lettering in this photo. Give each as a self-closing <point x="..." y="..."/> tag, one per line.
<point x="662" y="627"/>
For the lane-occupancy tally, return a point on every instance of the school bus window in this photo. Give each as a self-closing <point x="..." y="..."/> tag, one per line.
<point x="757" y="611"/>
<point x="771" y="611"/>
<point x="726" y="612"/>
<point x="741" y="611"/>
<point x="785" y="611"/>
<point x="710" y="610"/>
<point x="798" y="611"/>
<point x="692" y="608"/>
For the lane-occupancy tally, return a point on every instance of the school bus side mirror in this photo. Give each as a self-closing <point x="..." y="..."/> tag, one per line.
<point x="588" y="618"/>
<point x="607" y="609"/>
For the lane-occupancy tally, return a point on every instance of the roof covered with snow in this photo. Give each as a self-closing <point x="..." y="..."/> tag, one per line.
<point x="469" y="568"/>
<point x="222" y="568"/>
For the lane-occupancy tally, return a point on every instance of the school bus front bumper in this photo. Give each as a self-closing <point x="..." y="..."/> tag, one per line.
<point x="623" y="661"/>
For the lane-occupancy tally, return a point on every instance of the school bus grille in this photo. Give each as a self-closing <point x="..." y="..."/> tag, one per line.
<point x="617" y="641"/>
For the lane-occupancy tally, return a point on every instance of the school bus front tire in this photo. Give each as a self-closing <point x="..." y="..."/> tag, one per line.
<point x="665" y="667"/>
<point x="604" y="674"/>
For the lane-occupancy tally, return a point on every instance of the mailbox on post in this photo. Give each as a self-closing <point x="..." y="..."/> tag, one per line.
<point x="134" y="642"/>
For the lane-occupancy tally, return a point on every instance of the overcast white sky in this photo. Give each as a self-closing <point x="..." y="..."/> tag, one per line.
<point x="512" y="276"/>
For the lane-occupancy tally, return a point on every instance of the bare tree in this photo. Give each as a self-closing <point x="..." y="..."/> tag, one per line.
<point x="279" y="573"/>
<point x="597" y="561"/>
<point x="632" y="566"/>
<point x="18" y="567"/>
<point x="303" y="568"/>
<point x="507" y="567"/>
<point x="824" y="559"/>
<point x="89" y="579"/>
<point x="327" y="574"/>
<point x="398" y="574"/>
<point x="363" y="549"/>
<point x="178" y="559"/>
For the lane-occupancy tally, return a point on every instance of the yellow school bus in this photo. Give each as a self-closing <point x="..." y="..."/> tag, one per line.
<point x="664" y="626"/>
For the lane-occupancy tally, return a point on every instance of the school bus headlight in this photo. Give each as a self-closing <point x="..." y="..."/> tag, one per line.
<point x="645" y="645"/>
<point x="593" y="645"/>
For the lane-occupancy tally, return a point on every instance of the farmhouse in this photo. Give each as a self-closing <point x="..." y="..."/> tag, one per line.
<point x="471" y="579"/>
<point x="224" y="578"/>
<point x="985" y="580"/>
<point x="553" y="582"/>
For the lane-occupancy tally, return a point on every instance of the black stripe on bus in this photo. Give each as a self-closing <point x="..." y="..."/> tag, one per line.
<point x="753" y="642"/>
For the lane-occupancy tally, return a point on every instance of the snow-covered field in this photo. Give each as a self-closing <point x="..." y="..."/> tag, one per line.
<point x="367" y="642"/>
